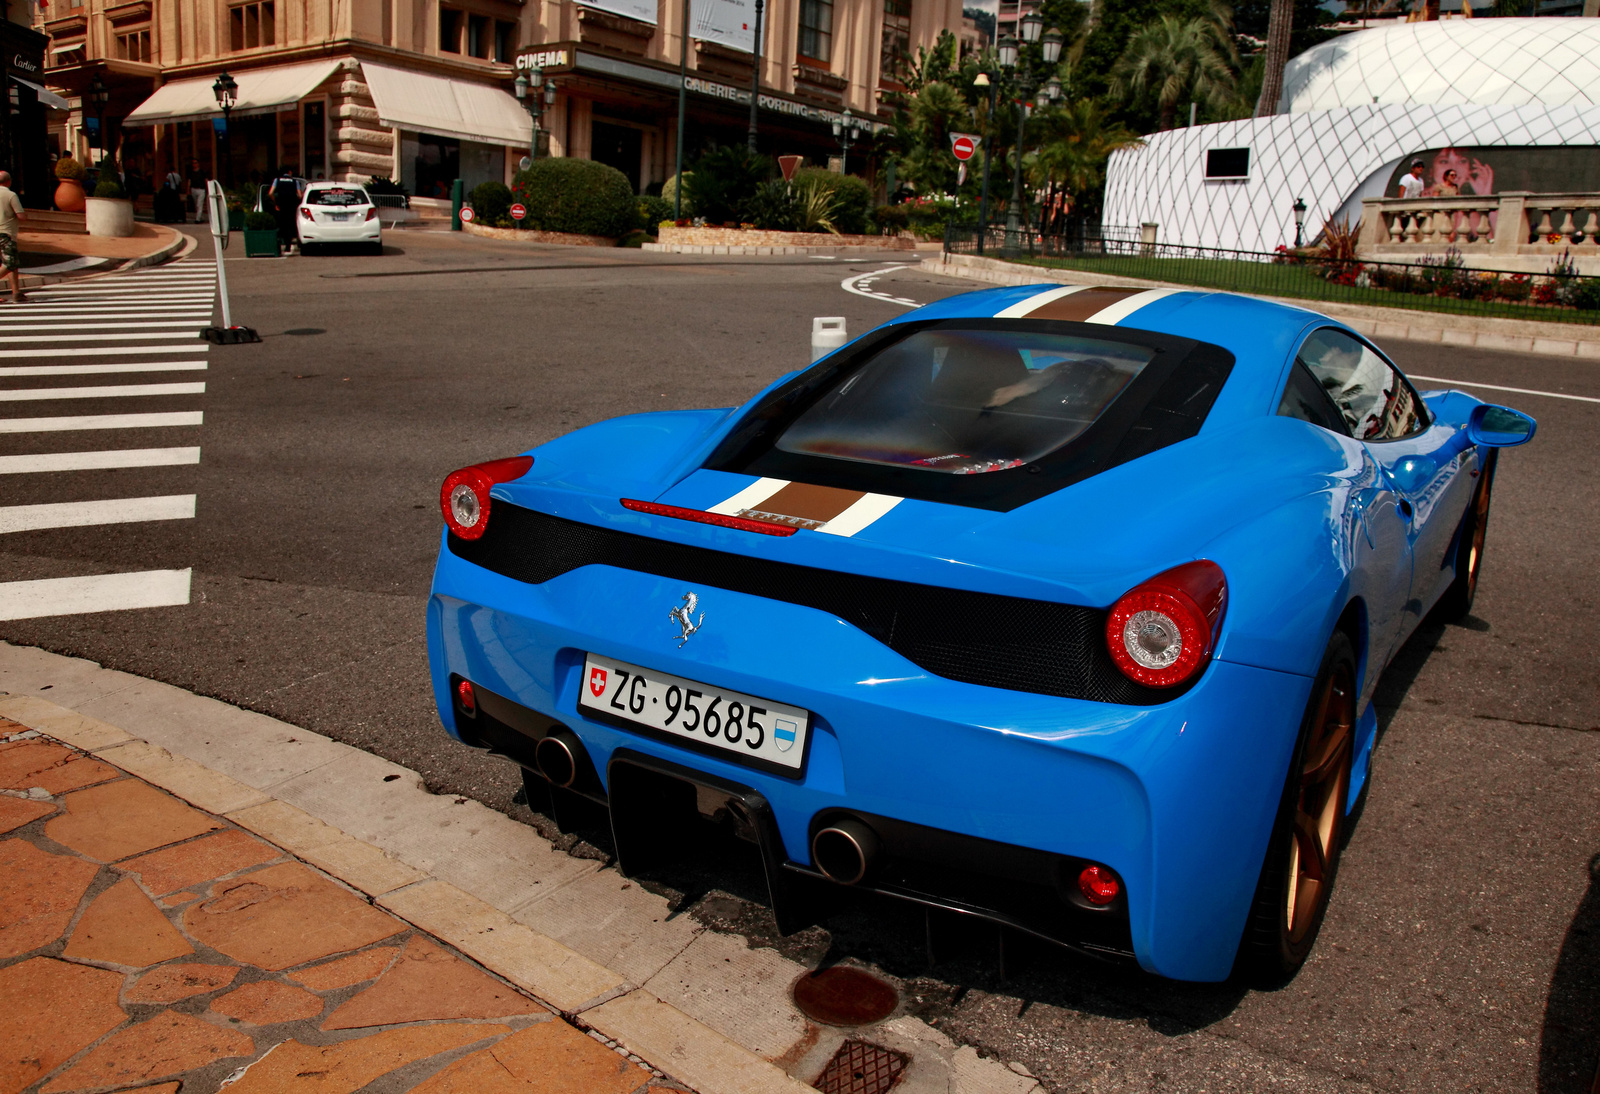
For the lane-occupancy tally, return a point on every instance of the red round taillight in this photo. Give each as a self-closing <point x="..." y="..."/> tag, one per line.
<point x="1099" y="885"/>
<point x="466" y="696"/>
<point x="1160" y="633"/>
<point x="464" y="497"/>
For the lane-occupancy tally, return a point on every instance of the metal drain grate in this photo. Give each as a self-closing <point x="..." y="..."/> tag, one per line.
<point x="861" y="1068"/>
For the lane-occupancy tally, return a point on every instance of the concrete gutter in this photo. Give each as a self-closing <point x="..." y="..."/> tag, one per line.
<point x="1403" y="324"/>
<point x="701" y="1006"/>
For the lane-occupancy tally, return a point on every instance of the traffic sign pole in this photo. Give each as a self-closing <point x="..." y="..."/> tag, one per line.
<point x="227" y="334"/>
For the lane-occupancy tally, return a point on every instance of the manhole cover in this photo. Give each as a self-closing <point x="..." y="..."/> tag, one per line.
<point x="861" y="1068"/>
<point x="842" y="996"/>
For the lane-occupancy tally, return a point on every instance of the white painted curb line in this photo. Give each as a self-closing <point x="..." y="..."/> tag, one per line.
<point x="701" y="1006"/>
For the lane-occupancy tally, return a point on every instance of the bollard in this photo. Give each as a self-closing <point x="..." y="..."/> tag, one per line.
<point x="827" y="335"/>
<point x="457" y="200"/>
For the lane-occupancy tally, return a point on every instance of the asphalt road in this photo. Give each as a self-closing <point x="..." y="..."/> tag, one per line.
<point x="1462" y="951"/>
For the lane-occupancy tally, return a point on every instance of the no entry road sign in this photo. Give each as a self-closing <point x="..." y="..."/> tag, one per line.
<point x="964" y="145"/>
<point x="467" y="213"/>
<point x="518" y="211"/>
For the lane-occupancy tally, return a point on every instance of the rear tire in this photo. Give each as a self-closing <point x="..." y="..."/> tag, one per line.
<point x="1456" y="603"/>
<point x="1303" y="854"/>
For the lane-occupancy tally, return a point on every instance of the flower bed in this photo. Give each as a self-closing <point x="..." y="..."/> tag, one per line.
<point x="752" y="237"/>
<point x="528" y="235"/>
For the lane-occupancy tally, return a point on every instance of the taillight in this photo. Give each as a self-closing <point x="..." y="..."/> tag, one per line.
<point x="467" y="698"/>
<point x="1099" y="885"/>
<point x="305" y="213"/>
<point x="1161" y="632"/>
<point x="371" y="213"/>
<point x="464" y="497"/>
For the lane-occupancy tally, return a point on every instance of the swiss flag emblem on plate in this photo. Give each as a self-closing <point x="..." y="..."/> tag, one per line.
<point x="597" y="682"/>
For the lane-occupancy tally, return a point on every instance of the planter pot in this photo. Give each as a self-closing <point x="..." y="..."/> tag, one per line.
<point x="108" y="217"/>
<point x="69" y="196"/>
<point x="261" y="243"/>
<point x="235" y="220"/>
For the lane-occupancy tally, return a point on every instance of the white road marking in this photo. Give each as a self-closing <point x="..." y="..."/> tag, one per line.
<point x="101" y="351"/>
<point x="1037" y="300"/>
<point x="100" y="593"/>
<point x="97" y="337"/>
<point x="163" y="325"/>
<point x="858" y="284"/>
<point x="1516" y="390"/>
<point x="1115" y="313"/>
<point x="121" y="366"/>
<point x="40" y="462"/>
<point x="101" y="421"/>
<point x="84" y="514"/>
<point x="7" y="318"/>
<point x="108" y="391"/>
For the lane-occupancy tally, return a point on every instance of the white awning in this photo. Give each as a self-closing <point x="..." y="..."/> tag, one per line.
<point x="46" y="96"/>
<point x="443" y="107"/>
<point x="261" y="91"/>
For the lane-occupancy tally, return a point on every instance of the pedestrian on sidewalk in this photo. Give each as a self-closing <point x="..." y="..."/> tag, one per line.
<point x="1412" y="182"/>
<point x="197" y="190"/>
<point x="285" y="199"/>
<point x="11" y="217"/>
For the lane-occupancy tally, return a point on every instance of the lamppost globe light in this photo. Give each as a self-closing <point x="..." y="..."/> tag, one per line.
<point x="838" y="128"/>
<point x="981" y="80"/>
<point x="226" y="89"/>
<point x="550" y="93"/>
<point x="1032" y="24"/>
<point x="1008" y="52"/>
<point x="1052" y="46"/>
<point x="521" y="86"/>
<point x="535" y="77"/>
<point x="1053" y="89"/>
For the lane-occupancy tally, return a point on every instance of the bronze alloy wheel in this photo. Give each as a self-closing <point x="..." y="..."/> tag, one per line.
<point x="1480" y="525"/>
<point x="1319" y="811"/>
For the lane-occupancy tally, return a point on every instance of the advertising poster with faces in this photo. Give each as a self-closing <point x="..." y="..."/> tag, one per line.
<point x="1479" y="172"/>
<point x="642" y="10"/>
<point x="729" y="23"/>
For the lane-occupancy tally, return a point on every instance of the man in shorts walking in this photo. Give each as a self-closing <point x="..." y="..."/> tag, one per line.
<point x="11" y="216"/>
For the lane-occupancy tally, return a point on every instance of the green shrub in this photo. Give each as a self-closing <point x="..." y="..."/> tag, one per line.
<point x="260" y="222"/>
<point x="723" y="180"/>
<point x="852" y="197"/>
<point x="636" y="238"/>
<point x="669" y="193"/>
<point x="579" y="196"/>
<point x="652" y="211"/>
<point x="69" y="168"/>
<point x="1584" y="293"/>
<point x="774" y="207"/>
<point x="109" y="187"/>
<point x="890" y="218"/>
<point x="490" y="201"/>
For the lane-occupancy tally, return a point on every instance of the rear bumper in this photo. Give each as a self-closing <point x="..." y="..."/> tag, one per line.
<point x="1177" y="798"/>
<point x="360" y="231"/>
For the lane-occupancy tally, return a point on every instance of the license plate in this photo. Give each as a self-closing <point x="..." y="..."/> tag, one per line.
<point x="338" y="216"/>
<point x="743" y="727"/>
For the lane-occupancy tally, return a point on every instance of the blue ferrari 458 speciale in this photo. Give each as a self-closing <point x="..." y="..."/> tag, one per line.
<point x="1058" y="606"/>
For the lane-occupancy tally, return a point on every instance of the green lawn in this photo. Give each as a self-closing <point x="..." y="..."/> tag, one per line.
<point x="1299" y="282"/>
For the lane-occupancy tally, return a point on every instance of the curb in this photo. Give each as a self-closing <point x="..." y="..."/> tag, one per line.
<point x="482" y="882"/>
<point x="1403" y="324"/>
<point x="179" y="247"/>
<point x="735" y="249"/>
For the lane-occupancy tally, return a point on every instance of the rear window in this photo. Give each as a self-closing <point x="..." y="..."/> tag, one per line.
<point x="337" y="196"/>
<point x="967" y="402"/>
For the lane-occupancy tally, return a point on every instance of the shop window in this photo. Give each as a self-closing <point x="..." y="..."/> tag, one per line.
<point x="478" y="36"/>
<point x="134" y="45"/>
<point x="253" y="25"/>
<point x="313" y="138"/>
<point x="816" y="31"/>
<point x="449" y="30"/>
<point x="896" y="51"/>
<point x="505" y="41"/>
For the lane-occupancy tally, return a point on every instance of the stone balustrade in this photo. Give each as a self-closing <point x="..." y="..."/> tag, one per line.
<point x="1504" y="226"/>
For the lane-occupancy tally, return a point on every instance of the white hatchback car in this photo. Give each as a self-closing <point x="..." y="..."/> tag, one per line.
<point x="338" y="212"/>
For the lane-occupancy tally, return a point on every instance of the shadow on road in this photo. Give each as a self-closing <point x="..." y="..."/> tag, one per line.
<point x="1569" y="1044"/>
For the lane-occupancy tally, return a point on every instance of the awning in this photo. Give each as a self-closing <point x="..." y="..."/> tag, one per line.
<point x="444" y="107"/>
<point x="46" y="96"/>
<point x="261" y="91"/>
<point x="70" y="47"/>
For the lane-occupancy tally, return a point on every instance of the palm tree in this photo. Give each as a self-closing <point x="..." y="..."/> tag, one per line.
<point x="1280" y="20"/>
<point x="1078" y="139"/>
<point x="1180" y="59"/>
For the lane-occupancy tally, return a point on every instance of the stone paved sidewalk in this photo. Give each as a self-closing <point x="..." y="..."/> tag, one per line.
<point x="148" y="945"/>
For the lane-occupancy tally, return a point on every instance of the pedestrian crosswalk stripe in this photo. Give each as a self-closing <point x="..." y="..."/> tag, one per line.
<point x="101" y="421"/>
<point x="41" y="462"/>
<point x="101" y="351"/>
<point x="98" y="593"/>
<point x="97" y="337"/>
<point x="83" y="514"/>
<point x="193" y="312"/>
<point x="186" y="324"/>
<point x="86" y="370"/>
<point x="108" y="391"/>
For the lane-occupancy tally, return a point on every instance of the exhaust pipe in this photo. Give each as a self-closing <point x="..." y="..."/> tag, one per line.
<point x="559" y="757"/>
<point x="844" y="851"/>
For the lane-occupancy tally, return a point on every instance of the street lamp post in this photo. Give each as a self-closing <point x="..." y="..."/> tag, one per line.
<point x="1030" y="25"/>
<point x="226" y="89"/>
<point x="983" y="80"/>
<point x="755" y="77"/>
<point x="846" y="131"/>
<point x="100" y="95"/>
<point x="1299" y="208"/>
<point x="533" y="80"/>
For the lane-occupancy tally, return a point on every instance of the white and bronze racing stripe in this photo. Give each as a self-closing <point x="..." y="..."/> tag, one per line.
<point x="1084" y="304"/>
<point x="818" y="508"/>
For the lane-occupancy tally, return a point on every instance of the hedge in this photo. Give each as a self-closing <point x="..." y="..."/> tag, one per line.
<point x="579" y="196"/>
<point x="852" y="210"/>
<point x="490" y="201"/>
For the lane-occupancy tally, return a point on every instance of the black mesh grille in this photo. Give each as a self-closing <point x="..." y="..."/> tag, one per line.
<point x="978" y="638"/>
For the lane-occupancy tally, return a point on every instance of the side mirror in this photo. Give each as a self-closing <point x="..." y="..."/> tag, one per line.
<point x="1499" y="426"/>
